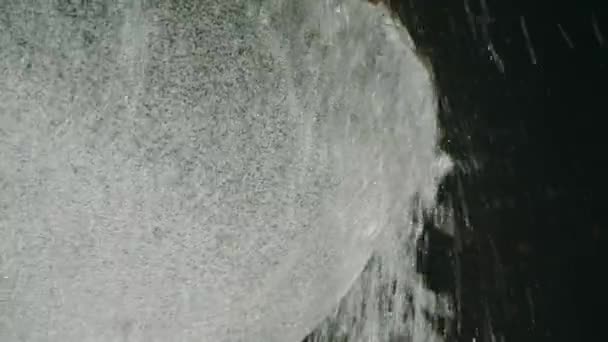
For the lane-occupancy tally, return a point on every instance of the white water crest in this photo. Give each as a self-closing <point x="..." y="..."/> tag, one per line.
<point x="204" y="170"/>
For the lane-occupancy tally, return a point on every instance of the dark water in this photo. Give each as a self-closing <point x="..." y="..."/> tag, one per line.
<point x="532" y="122"/>
<point x="523" y="89"/>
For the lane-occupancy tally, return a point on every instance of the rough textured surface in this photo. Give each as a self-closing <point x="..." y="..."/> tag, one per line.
<point x="199" y="170"/>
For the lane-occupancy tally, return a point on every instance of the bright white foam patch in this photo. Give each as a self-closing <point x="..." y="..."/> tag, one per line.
<point x="187" y="170"/>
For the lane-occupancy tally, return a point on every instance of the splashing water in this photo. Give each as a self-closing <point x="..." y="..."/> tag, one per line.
<point x="210" y="170"/>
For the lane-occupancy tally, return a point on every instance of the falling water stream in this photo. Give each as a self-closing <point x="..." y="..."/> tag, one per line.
<point x="203" y="170"/>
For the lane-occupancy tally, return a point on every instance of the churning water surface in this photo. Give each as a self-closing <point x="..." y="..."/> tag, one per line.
<point x="204" y="170"/>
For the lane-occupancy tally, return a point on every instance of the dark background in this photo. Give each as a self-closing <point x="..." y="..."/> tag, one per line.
<point x="527" y="262"/>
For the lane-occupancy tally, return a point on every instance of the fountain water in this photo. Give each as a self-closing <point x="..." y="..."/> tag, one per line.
<point x="207" y="170"/>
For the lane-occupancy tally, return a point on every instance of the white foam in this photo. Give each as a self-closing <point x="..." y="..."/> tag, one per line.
<point x="200" y="170"/>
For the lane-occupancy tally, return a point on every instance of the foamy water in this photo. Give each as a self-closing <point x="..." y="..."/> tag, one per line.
<point x="210" y="170"/>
